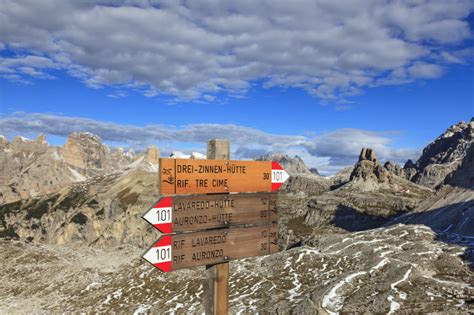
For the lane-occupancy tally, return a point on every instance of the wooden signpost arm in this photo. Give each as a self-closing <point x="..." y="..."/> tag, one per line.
<point x="216" y="289"/>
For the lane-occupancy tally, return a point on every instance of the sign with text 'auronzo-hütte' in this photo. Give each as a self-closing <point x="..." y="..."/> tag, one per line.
<point x="200" y="212"/>
<point x="186" y="176"/>
<point x="172" y="252"/>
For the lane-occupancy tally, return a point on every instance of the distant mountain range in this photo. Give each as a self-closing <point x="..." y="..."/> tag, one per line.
<point x="32" y="169"/>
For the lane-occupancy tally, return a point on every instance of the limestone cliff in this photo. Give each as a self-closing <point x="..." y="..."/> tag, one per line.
<point x="30" y="168"/>
<point x="443" y="156"/>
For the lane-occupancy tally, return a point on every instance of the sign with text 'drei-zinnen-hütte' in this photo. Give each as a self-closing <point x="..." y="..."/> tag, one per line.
<point x="187" y="176"/>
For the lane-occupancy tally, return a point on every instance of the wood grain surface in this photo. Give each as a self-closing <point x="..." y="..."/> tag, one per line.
<point x="215" y="246"/>
<point x="187" y="176"/>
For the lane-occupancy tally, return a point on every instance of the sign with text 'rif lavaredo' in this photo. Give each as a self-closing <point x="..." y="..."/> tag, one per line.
<point x="187" y="250"/>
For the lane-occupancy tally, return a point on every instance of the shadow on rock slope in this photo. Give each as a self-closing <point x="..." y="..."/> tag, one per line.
<point x="453" y="223"/>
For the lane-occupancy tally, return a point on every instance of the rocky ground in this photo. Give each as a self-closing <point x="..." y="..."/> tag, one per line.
<point x="401" y="268"/>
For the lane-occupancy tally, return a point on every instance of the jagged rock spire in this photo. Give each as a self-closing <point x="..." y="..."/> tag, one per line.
<point x="367" y="154"/>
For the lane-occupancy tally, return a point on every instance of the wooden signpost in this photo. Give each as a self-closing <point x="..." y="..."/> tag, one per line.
<point x="200" y="212"/>
<point x="214" y="211"/>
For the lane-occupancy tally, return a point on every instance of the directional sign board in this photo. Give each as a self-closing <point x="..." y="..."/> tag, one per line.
<point x="186" y="176"/>
<point x="199" y="212"/>
<point x="172" y="252"/>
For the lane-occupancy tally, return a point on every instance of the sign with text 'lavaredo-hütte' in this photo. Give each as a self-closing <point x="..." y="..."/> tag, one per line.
<point x="199" y="212"/>
<point x="187" y="176"/>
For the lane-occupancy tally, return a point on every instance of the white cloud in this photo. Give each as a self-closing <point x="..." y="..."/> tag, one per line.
<point x="451" y="58"/>
<point x="195" y="50"/>
<point x="27" y="123"/>
<point x="328" y="152"/>
<point x="118" y="94"/>
<point x="424" y="70"/>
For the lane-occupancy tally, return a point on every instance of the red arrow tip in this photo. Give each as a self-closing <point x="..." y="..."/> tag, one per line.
<point x="165" y="228"/>
<point x="164" y="202"/>
<point x="276" y="166"/>
<point x="164" y="266"/>
<point x="163" y="241"/>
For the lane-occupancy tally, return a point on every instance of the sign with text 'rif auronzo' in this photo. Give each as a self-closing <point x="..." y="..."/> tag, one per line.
<point x="199" y="212"/>
<point x="172" y="252"/>
<point x="187" y="176"/>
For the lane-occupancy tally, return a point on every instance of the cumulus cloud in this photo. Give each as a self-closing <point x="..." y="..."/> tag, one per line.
<point x="328" y="152"/>
<point x="424" y="70"/>
<point x="196" y="50"/>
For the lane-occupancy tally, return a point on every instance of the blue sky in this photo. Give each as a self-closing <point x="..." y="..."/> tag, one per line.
<point x="318" y="79"/>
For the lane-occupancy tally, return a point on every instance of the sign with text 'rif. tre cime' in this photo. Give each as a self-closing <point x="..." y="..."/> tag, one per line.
<point x="187" y="176"/>
<point x="199" y="212"/>
<point x="172" y="252"/>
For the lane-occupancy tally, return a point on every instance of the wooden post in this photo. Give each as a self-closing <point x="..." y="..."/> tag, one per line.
<point x="216" y="289"/>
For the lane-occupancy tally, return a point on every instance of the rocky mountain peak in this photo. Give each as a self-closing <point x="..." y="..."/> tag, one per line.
<point x="368" y="155"/>
<point x="314" y="171"/>
<point x="409" y="164"/>
<point x="41" y="139"/>
<point x="463" y="176"/>
<point x="84" y="137"/>
<point x="22" y="144"/>
<point x="292" y="165"/>
<point x="84" y="150"/>
<point x="3" y="141"/>
<point x="443" y="156"/>
<point x="32" y="168"/>
<point x="449" y="146"/>
<point x="368" y="169"/>
<point x="394" y="168"/>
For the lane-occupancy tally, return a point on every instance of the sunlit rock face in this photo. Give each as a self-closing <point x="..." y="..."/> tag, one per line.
<point x="18" y="154"/>
<point x="292" y="165"/>
<point x="31" y="168"/>
<point x="85" y="150"/>
<point x="444" y="155"/>
<point x="101" y="211"/>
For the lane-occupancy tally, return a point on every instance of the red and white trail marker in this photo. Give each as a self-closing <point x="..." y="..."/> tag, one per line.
<point x="279" y="176"/>
<point x="161" y="215"/>
<point x="160" y="255"/>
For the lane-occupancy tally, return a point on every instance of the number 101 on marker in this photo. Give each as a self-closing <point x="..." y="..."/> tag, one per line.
<point x="161" y="215"/>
